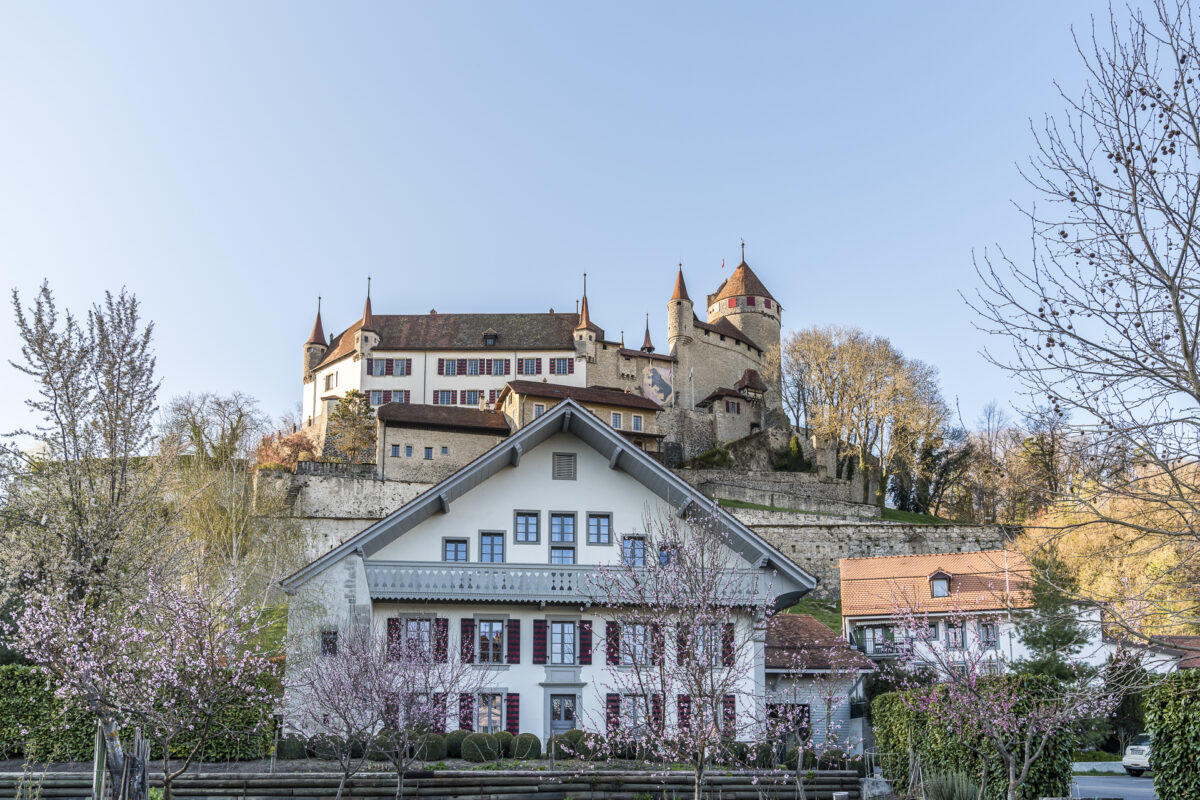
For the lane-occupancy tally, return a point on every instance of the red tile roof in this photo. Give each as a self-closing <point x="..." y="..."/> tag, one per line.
<point x="680" y="292"/>
<point x="419" y="415"/>
<point x="590" y="394"/>
<point x="981" y="581"/>
<point x="318" y="332"/>
<point x="726" y="328"/>
<point x="742" y="283"/>
<point x="722" y="391"/>
<point x="751" y="380"/>
<point x="1191" y="657"/>
<point x="800" y="642"/>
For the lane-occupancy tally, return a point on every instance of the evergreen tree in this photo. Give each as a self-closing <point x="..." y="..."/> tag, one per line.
<point x="1051" y="629"/>
<point x="352" y="428"/>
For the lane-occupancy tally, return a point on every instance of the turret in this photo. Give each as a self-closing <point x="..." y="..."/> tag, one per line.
<point x="647" y="345"/>
<point x="366" y="338"/>
<point x="316" y="346"/>
<point x="586" y="333"/>
<point x="679" y="314"/>
<point x="745" y="302"/>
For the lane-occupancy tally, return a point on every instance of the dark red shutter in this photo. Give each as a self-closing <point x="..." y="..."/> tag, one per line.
<point x="537" y="366"/>
<point x="487" y="366"/>
<point x="395" y="631"/>
<point x="507" y="366"/>
<point x="570" y="366"/>
<point x="370" y="366"/>
<point x="553" y="361"/>
<point x="408" y="366"/>
<point x="656" y="711"/>
<point x="462" y="397"/>
<point x="491" y="395"/>
<point x="683" y="707"/>
<point x="387" y="395"/>
<point x="462" y="366"/>
<point x="539" y="641"/>
<point x="585" y="642"/>
<point x="466" y="708"/>
<point x="441" y="366"/>
<point x="436" y="397"/>
<point x="441" y="639"/>
<point x="657" y="643"/>
<point x="407" y="395"/>
<point x="727" y="645"/>
<point x="682" y="650"/>
<point x="520" y="366"/>
<point x="439" y="712"/>
<point x="389" y="367"/>
<point x="512" y="713"/>
<point x="612" y="712"/>
<point x="514" y="641"/>
<point x="729" y="709"/>
<point x="466" y="642"/>
<point x="612" y="643"/>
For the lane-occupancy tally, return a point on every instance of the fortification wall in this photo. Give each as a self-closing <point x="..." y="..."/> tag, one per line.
<point x="691" y="430"/>
<point x="818" y="546"/>
<point x="766" y="484"/>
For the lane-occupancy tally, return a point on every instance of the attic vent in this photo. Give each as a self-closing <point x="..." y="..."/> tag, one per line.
<point x="564" y="467"/>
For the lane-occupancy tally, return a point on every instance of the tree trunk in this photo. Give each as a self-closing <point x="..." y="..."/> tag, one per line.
<point x="1012" y="780"/>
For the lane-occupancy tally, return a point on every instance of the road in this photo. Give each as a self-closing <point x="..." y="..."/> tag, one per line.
<point x="1124" y="786"/>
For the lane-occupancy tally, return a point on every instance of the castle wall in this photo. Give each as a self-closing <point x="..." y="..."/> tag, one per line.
<point x="762" y="487"/>
<point x="713" y="363"/>
<point x="412" y="466"/>
<point x="688" y="433"/>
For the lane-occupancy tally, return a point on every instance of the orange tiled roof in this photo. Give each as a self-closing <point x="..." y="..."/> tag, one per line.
<point x="987" y="580"/>
<point x="743" y="282"/>
<point x="680" y="292"/>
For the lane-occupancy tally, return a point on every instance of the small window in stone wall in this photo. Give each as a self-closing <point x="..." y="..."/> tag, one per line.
<point x="395" y="451"/>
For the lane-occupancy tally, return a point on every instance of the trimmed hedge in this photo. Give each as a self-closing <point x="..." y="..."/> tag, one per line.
<point x="433" y="748"/>
<point x="527" y="746"/>
<point x="505" y="740"/>
<point x="1173" y="719"/>
<point x="454" y="742"/>
<point x="481" y="748"/>
<point x="941" y="749"/>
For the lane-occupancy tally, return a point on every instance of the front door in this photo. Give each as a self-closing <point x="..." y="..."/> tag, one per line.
<point x="562" y="713"/>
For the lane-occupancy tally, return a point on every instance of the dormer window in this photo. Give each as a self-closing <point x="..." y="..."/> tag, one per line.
<point x="489" y="338"/>
<point x="939" y="584"/>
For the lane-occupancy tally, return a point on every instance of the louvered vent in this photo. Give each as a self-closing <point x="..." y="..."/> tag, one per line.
<point x="564" y="466"/>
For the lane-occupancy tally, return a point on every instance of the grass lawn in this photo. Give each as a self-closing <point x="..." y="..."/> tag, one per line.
<point x="827" y="613"/>
<point x="893" y="515"/>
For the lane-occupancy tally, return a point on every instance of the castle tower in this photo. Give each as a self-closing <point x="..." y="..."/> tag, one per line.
<point x="586" y="332"/>
<point x="316" y="346"/>
<point x="679" y="314"/>
<point x="366" y="338"/>
<point x="647" y="345"/>
<point x="745" y="302"/>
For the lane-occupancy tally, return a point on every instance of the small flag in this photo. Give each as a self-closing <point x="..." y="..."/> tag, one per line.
<point x="722" y="263"/>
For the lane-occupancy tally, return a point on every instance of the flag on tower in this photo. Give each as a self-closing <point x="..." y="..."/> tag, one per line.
<point x="722" y="263"/>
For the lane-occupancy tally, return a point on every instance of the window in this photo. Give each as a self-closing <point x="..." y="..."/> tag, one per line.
<point x="562" y="642"/>
<point x="749" y="301"/>
<point x="954" y="637"/>
<point x="395" y="451"/>
<point x="445" y="397"/>
<point x="989" y="635"/>
<point x="616" y="420"/>
<point x="376" y="397"/>
<point x="489" y="340"/>
<point x="491" y="641"/>
<point x="526" y="527"/>
<point x="635" y="643"/>
<point x="419" y="631"/>
<point x="562" y="528"/>
<point x="471" y="397"/>
<point x="708" y="644"/>
<point x="329" y="643"/>
<point x="561" y="366"/>
<point x="378" y="367"/>
<point x="491" y="548"/>
<point x="599" y="529"/>
<point x="408" y="451"/>
<point x="451" y="367"/>
<point x="499" y="365"/>
<point x="940" y="587"/>
<point x="472" y="366"/>
<point x="445" y="450"/>
<point x="633" y="712"/>
<point x="564" y="467"/>
<point x="637" y="422"/>
<point x="929" y="634"/>
<point x="455" y="550"/>
<point x="529" y="366"/>
<point x="562" y="555"/>
<point x="664" y="556"/>
<point x="877" y="640"/>
<point x="733" y="407"/>
<point x="633" y="551"/>
<point x="330" y="381"/>
<point x="767" y="302"/>
<point x="490" y="716"/>
<point x="538" y="409"/>
<point x="429" y="454"/>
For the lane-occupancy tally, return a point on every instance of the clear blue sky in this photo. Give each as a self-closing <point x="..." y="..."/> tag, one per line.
<point x="231" y="161"/>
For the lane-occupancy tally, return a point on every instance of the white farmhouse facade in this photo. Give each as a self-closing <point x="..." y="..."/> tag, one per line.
<point x="495" y="561"/>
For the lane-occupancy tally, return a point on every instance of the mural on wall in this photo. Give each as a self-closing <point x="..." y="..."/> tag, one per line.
<point x="656" y="384"/>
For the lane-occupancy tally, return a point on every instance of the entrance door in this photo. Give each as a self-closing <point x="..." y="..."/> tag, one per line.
<point x="562" y="713"/>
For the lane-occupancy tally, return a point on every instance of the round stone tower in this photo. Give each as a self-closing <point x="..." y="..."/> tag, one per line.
<point x="679" y="315"/>
<point x="316" y="347"/>
<point x="745" y="302"/>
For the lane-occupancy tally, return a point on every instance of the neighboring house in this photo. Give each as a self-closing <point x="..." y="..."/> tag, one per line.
<point x="972" y="602"/>
<point x="521" y="402"/>
<point x="429" y="443"/>
<point x="810" y="666"/>
<point x="1174" y="653"/>
<point x="497" y="557"/>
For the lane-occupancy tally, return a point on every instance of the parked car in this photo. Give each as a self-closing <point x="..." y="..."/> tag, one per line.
<point x="1137" y="755"/>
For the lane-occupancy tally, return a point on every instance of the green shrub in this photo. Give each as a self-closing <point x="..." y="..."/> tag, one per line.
<point x="291" y="748"/>
<point x="35" y="724"/>
<point x="433" y="748"/>
<point x="480" y="748"/>
<point x="506" y="741"/>
<point x="899" y="729"/>
<point x="765" y="755"/>
<point x="951" y="786"/>
<point x="527" y="746"/>
<point x="454" y="740"/>
<point x="1173" y="720"/>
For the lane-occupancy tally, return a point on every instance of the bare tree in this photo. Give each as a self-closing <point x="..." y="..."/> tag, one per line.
<point x="1104" y="320"/>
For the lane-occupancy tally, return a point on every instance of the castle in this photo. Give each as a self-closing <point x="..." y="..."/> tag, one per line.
<point x="712" y="386"/>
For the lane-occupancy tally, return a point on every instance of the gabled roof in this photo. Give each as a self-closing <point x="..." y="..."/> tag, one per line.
<point x="751" y="380"/>
<point x="800" y="643"/>
<point x="742" y="283"/>
<point x="420" y="415"/>
<point x="987" y="580"/>
<point x="792" y="582"/>
<point x="722" y="391"/>
<point x="726" y="328"/>
<point x="582" y="394"/>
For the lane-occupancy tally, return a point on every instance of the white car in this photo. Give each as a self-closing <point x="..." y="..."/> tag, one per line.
<point x="1137" y="756"/>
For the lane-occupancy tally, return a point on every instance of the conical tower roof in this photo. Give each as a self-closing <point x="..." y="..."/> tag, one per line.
<point x="318" y="332"/>
<point x="742" y="283"/>
<point x="647" y="345"/>
<point x="680" y="292"/>
<point x="368" y="319"/>
<point x="585" y="318"/>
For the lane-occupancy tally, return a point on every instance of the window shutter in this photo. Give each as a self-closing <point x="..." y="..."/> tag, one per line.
<point x="466" y="709"/>
<point x="387" y="395"/>
<point x="657" y="643"/>
<point x="462" y="366"/>
<point x="729" y="709"/>
<point x="466" y="641"/>
<point x="520" y="366"/>
<point x="682" y="645"/>
<point x="683" y="707"/>
<point x="612" y="712"/>
<point x="512" y="713"/>
<point x="539" y="641"/>
<point x="612" y="643"/>
<point x="394" y="634"/>
<point x="436" y="397"/>
<point x="441" y="639"/>
<point x="491" y="395"/>
<point x="507" y="366"/>
<point x="407" y="395"/>
<point x="656" y="711"/>
<point x="537" y="366"/>
<point x="570" y="366"/>
<point x="441" y="366"/>
<point x="727" y="645"/>
<point x="389" y="367"/>
<point x="487" y="366"/>
<point x="439" y="712"/>
<point x="553" y="362"/>
<point x="585" y="642"/>
<point x="370" y="366"/>
<point x="514" y="641"/>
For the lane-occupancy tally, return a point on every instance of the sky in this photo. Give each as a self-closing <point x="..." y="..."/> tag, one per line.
<point x="229" y="162"/>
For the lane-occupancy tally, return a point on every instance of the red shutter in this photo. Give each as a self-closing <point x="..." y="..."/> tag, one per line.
<point x="462" y="366"/>
<point x="407" y="394"/>
<point x="466" y="641"/>
<point x="466" y="709"/>
<point x="441" y="366"/>
<point x="487" y="366"/>
<point x="387" y="395"/>
<point x="395" y="631"/>
<point x="553" y="362"/>
<point x="408" y="366"/>
<point x="436" y="397"/>
<point x="441" y="639"/>
<point x="537" y="366"/>
<point x="749" y="301"/>
<point x="612" y="643"/>
<point x="491" y="395"/>
<point x="585" y="642"/>
<point x="733" y="302"/>
<point x="682" y="646"/>
<point x="683" y="706"/>
<point x="389" y="367"/>
<point x="539" y="641"/>
<point x="727" y="645"/>
<point x="570" y="366"/>
<point x="656" y="711"/>
<point x="729" y="709"/>
<point x="370" y="366"/>
<point x="657" y="643"/>
<point x="520" y="366"/>
<point x="514" y="641"/>
<point x="612" y="712"/>
<point x="507" y="366"/>
<point x="512" y="713"/>
<point x="462" y="397"/>
<point x="439" y="712"/>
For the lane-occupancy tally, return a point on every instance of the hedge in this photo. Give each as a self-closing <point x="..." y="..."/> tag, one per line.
<point x="481" y="748"/>
<point x="526" y="746"/>
<point x="941" y="749"/>
<point x="1173" y="720"/>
